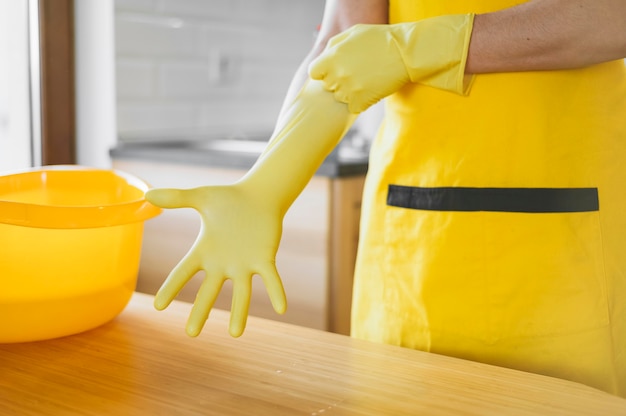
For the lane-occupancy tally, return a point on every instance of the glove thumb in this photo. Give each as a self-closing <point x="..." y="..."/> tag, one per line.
<point x="172" y="198"/>
<point x="317" y="69"/>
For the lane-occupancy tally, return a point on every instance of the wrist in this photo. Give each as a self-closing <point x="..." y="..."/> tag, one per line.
<point x="435" y="51"/>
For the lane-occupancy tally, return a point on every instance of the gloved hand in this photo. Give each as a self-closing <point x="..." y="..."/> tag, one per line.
<point x="366" y="63"/>
<point x="239" y="237"/>
<point x="242" y="223"/>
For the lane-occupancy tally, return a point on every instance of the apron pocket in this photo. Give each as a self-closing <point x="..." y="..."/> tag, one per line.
<point x="493" y="263"/>
<point x="494" y="199"/>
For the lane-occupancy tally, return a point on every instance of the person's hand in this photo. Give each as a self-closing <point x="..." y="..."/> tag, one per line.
<point x="242" y="223"/>
<point x="361" y="66"/>
<point x="366" y="63"/>
<point x="238" y="238"/>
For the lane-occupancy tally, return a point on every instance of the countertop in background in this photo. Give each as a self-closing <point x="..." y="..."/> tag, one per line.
<point x="345" y="160"/>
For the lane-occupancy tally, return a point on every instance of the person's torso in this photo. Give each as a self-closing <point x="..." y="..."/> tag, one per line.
<point x="514" y="129"/>
<point x="444" y="279"/>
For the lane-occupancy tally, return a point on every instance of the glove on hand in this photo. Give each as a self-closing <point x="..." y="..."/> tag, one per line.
<point x="366" y="63"/>
<point x="242" y="223"/>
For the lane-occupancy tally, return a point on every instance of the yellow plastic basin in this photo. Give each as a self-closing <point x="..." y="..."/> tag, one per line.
<point x="70" y="243"/>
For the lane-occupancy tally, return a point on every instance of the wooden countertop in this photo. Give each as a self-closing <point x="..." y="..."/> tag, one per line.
<point x="142" y="363"/>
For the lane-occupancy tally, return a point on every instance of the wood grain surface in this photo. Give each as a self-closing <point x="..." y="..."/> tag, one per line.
<point x="142" y="363"/>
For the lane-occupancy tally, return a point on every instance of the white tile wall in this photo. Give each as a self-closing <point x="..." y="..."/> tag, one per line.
<point x="219" y="9"/>
<point x="151" y="37"/>
<point x="141" y="5"/>
<point x="207" y="66"/>
<point x="136" y="80"/>
<point x="156" y="118"/>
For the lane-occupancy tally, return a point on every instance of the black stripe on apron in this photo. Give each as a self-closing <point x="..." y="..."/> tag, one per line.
<point x="541" y="200"/>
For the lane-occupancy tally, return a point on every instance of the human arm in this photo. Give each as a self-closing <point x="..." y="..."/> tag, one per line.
<point x="242" y="223"/>
<point x="537" y="35"/>
<point x="548" y="35"/>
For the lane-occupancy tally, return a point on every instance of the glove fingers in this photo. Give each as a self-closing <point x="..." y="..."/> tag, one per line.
<point x="177" y="279"/>
<point x="205" y="299"/>
<point x="317" y="69"/>
<point x="242" y="289"/>
<point x="275" y="290"/>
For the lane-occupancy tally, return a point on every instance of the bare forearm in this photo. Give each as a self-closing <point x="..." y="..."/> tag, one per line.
<point x="548" y="34"/>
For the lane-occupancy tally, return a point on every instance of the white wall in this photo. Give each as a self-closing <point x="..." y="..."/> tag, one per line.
<point x="15" y="152"/>
<point x="149" y="69"/>
<point x="96" y="127"/>
<point x="207" y="67"/>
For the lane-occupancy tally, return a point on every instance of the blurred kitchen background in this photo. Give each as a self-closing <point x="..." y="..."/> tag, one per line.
<point x="183" y="93"/>
<point x="197" y="70"/>
<point x="207" y="69"/>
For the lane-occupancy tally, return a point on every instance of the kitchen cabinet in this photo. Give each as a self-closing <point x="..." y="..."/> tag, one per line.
<point x="316" y="254"/>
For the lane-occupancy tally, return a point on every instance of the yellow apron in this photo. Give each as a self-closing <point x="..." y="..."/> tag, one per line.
<point x="494" y="225"/>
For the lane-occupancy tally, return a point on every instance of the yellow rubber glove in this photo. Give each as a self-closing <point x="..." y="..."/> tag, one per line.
<point x="242" y="223"/>
<point x="366" y="63"/>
